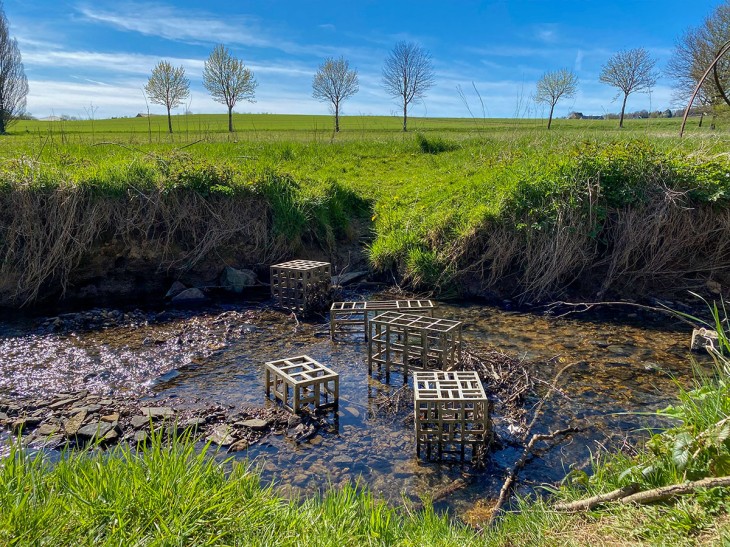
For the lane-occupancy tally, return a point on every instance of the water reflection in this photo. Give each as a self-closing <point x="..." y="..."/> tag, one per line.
<point x="217" y="355"/>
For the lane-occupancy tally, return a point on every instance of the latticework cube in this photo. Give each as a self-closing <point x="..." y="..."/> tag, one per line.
<point x="301" y="285"/>
<point x="413" y="342"/>
<point x="301" y="381"/>
<point x="451" y="415"/>
<point x="356" y="314"/>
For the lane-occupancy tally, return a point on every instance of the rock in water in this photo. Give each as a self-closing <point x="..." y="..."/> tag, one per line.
<point x="73" y="424"/>
<point x="221" y="435"/>
<point x="255" y="423"/>
<point x="94" y="430"/>
<point x="236" y="280"/>
<point x="190" y="296"/>
<point x="175" y="289"/>
<point x="157" y="412"/>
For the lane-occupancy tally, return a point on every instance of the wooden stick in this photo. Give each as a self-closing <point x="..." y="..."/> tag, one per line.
<point x="512" y="476"/>
<point x="667" y="492"/>
<point x="589" y="503"/>
<point x="629" y="494"/>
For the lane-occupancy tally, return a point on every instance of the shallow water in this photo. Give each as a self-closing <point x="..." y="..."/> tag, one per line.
<point x="217" y="354"/>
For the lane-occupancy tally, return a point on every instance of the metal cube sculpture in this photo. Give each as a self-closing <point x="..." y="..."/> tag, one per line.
<point x="413" y="342"/>
<point x="451" y="415"/>
<point x="301" y="381"/>
<point x="301" y="285"/>
<point x="344" y="314"/>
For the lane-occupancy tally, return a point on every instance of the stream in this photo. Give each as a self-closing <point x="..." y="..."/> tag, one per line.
<point x="624" y="366"/>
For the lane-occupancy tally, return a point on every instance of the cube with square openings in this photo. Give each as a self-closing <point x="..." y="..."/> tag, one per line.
<point x="356" y="314"/>
<point x="301" y="381"/>
<point x="413" y="342"/>
<point x="301" y="285"/>
<point x="451" y="415"/>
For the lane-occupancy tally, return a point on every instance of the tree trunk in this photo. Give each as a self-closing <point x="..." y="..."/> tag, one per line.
<point x="405" y="117"/>
<point x="550" y="118"/>
<point x="337" y="117"/>
<point x="169" y="120"/>
<point x="623" y="107"/>
<point x="230" y="119"/>
<point x="702" y="117"/>
<point x="2" y="123"/>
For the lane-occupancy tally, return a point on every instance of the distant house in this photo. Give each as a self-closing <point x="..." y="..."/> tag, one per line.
<point x="50" y="119"/>
<point x="575" y="116"/>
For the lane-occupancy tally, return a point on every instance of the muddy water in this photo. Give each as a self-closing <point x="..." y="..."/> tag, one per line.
<point x="620" y="370"/>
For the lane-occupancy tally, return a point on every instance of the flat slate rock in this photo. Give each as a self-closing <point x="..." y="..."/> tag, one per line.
<point x="139" y="421"/>
<point x="157" y="411"/>
<point x="48" y="429"/>
<point x="255" y="423"/>
<point x="72" y="425"/>
<point x="221" y="435"/>
<point x="94" y="430"/>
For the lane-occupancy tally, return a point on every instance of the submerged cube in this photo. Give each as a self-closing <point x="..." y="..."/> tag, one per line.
<point x="356" y="314"/>
<point x="301" y="285"/>
<point x="451" y="415"/>
<point x="301" y="381"/>
<point x="413" y="342"/>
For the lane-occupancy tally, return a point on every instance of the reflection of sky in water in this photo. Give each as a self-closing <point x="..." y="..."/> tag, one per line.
<point x="620" y="368"/>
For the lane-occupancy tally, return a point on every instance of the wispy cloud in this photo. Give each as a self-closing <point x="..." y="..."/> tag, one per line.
<point x="199" y="27"/>
<point x="167" y="22"/>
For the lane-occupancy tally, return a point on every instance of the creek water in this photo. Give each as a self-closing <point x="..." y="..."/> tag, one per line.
<point x="624" y="367"/>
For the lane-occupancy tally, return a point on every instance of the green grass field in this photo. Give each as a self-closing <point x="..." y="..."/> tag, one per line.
<point x="429" y="190"/>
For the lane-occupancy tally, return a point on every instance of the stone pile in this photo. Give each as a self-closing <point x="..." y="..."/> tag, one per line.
<point x="81" y="418"/>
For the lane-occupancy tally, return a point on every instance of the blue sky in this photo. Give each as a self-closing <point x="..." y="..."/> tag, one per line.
<point x="83" y="53"/>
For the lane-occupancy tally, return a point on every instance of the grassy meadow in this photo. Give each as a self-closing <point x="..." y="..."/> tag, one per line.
<point x="431" y="193"/>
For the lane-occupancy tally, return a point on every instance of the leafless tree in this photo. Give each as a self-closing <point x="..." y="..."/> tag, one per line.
<point x="555" y="85"/>
<point x="408" y="75"/>
<point x="228" y="80"/>
<point x="168" y="86"/>
<point x="630" y="70"/>
<point x="694" y="51"/>
<point x="334" y="82"/>
<point x="13" y="83"/>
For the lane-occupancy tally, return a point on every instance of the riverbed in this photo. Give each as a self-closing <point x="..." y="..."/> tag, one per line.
<point x="624" y="365"/>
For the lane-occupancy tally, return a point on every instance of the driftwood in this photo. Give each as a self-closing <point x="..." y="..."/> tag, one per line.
<point x="530" y="447"/>
<point x="526" y="455"/>
<point x="629" y="494"/>
<point x="589" y="503"/>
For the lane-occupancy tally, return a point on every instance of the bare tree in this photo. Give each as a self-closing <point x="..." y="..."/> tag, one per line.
<point x="555" y="85"/>
<point x="228" y="80"/>
<point x="694" y="51"/>
<point x="407" y="75"/>
<point x="335" y="82"/>
<point x="13" y="83"/>
<point x="168" y="86"/>
<point x="630" y="70"/>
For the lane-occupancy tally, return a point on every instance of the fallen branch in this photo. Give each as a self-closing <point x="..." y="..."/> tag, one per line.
<point x="589" y="503"/>
<point x="667" y="492"/>
<point x="630" y="494"/>
<point x="526" y="454"/>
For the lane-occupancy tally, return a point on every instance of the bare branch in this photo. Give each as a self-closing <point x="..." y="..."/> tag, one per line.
<point x="168" y="86"/>
<point x="555" y="85"/>
<point x="335" y="82"/>
<point x="13" y="82"/>
<point x="408" y="75"/>
<point x="228" y="80"/>
<point x="631" y="71"/>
